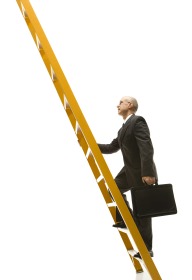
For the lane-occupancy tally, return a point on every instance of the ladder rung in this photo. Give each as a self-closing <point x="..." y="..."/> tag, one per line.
<point x="81" y="140"/>
<point x="39" y="46"/>
<point x="56" y="83"/>
<point x="50" y="70"/>
<point x="132" y="252"/>
<point x="104" y="191"/>
<point x="126" y="241"/>
<point x="59" y="90"/>
<point x="45" y="58"/>
<point x="53" y="75"/>
<point x="93" y="165"/>
<point x="112" y="204"/>
<point x="70" y="115"/>
<point x="113" y="212"/>
<point x="24" y="11"/>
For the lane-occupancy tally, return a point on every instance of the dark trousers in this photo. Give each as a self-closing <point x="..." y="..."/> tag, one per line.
<point x="144" y="225"/>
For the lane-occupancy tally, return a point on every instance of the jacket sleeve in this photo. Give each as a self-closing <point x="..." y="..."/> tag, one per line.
<point x="109" y="148"/>
<point x="142" y="136"/>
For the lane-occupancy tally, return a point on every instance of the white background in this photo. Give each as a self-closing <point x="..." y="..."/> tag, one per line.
<point x="54" y="223"/>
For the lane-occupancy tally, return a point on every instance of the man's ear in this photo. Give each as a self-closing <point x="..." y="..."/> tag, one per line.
<point x="131" y="105"/>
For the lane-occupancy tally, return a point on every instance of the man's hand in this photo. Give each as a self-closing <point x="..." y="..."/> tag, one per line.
<point x="148" y="180"/>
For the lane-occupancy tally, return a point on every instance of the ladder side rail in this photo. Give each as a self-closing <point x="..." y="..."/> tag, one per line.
<point x="72" y="101"/>
<point x="32" y="20"/>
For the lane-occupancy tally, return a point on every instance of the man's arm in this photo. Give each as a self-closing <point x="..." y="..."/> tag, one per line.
<point x="109" y="148"/>
<point x="142" y="135"/>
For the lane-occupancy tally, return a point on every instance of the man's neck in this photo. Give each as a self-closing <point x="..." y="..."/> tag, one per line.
<point x="127" y="117"/>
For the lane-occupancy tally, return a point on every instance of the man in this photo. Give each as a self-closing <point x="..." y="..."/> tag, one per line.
<point x="139" y="169"/>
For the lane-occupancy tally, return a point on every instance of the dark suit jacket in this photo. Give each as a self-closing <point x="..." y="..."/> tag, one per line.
<point x="134" y="141"/>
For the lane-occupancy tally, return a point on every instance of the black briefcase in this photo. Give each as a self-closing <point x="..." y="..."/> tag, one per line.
<point x="153" y="201"/>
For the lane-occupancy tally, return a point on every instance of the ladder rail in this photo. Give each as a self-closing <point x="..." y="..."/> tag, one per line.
<point x="85" y="136"/>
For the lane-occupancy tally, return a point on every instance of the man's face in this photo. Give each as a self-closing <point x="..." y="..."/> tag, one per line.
<point x="123" y="107"/>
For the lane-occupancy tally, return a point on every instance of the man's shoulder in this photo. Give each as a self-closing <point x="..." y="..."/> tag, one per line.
<point x="135" y="118"/>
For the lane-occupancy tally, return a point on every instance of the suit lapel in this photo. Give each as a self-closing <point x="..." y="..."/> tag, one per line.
<point x="123" y="129"/>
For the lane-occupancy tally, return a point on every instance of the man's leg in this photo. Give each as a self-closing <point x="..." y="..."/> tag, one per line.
<point x="144" y="225"/>
<point x="145" y="228"/>
<point x="118" y="215"/>
<point x="121" y="182"/>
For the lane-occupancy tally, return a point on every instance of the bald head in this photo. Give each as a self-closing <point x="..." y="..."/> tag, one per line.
<point x="133" y="101"/>
<point x="128" y="105"/>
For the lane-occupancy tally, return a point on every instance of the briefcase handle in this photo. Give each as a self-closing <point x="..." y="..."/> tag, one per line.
<point x="155" y="184"/>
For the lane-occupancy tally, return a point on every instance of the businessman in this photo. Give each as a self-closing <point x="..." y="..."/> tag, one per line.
<point x="133" y="139"/>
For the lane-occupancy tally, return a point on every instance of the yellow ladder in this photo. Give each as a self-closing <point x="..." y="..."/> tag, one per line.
<point x="130" y="236"/>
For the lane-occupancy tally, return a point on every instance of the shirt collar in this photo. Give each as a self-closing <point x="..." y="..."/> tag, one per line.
<point x="127" y="118"/>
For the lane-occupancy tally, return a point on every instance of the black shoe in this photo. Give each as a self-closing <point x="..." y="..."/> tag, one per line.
<point x="139" y="256"/>
<point x="120" y="225"/>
